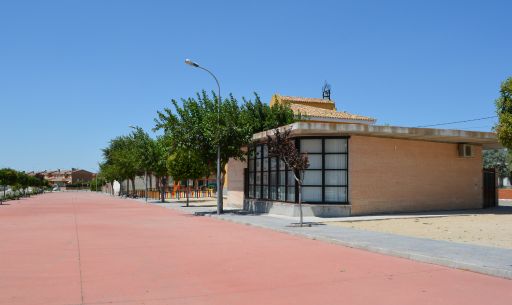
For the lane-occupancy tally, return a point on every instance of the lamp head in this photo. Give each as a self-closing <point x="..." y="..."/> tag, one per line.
<point x="191" y="63"/>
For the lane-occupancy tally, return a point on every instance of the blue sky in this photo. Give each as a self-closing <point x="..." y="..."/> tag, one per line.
<point x="74" y="74"/>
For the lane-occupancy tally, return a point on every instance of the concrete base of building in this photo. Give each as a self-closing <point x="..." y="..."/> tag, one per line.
<point x="292" y="209"/>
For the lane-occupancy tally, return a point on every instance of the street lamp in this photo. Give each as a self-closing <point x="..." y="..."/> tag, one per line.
<point x="219" y="191"/>
<point x="145" y="172"/>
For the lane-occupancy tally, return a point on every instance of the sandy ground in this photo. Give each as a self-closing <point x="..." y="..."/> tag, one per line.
<point x="480" y="229"/>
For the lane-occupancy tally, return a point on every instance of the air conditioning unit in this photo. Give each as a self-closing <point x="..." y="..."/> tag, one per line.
<point x="465" y="150"/>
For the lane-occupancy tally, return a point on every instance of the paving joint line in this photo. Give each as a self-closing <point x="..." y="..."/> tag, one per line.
<point x="79" y="256"/>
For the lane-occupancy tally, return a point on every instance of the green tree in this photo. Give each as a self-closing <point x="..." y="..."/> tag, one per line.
<point x="185" y="164"/>
<point x="120" y="157"/>
<point x="260" y="116"/>
<point x="23" y="181"/>
<point x="110" y="173"/>
<point x="8" y="177"/>
<point x="198" y="126"/>
<point x="504" y="111"/>
<point x="144" y="149"/>
<point x="498" y="159"/>
<point x="161" y="152"/>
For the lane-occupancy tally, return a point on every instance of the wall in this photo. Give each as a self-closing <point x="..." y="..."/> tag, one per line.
<point x="81" y="176"/>
<point x="235" y="183"/>
<point x="395" y="175"/>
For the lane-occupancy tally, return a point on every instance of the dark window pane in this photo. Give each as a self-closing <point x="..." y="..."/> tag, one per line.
<point x="258" y="178"/>
<point x="273" y="178"/>
<point x="251" y="178"/>
<point x="273" y="193"/>
<point x="282" y="193"/>
<point x="273" y="164"/>
<point x="258" y="192"/>
<point x="335" y="194"/>
<point x="282" y="165"/>
<point x="335" y="177"/>
<point x="264" y="195"/>
<point x="315" y="161"/>
<point x="250" y="165"/>
<point x="311" y="145"/>
<point x="336" y="161"/>
<point x="282" y="178"/>
<point x="291" y="194"/>
<point x="312" y="177"/>
<point x="335" y="145"/>
<point x="265" y="178"/>
<point x="291" y="178"/>
<point x="312" y="194"/>
<point x="265" y="164"/>
<point x="251" y="191"/>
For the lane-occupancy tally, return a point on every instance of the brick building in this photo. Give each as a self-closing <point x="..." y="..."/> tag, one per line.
<point x="64" y="177"/>
<point x="358" y="168"/>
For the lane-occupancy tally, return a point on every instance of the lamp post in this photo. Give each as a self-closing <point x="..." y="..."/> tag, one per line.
<point x="219" y="191"/>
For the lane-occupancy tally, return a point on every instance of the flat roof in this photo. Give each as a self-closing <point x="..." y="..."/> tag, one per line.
<point x="487" y="139"/>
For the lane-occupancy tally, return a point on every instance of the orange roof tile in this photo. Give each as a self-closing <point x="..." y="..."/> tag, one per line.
<point x="312" y="112"/>
<point x="285" y="98"/>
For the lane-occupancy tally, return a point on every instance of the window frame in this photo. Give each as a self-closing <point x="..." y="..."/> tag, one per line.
<point x="277" y="183"/>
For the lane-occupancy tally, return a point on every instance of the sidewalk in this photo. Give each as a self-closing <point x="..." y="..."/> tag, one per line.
<point x="481" y="259"/>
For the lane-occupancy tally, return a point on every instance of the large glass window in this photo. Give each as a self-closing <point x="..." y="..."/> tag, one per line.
<point x="325" y="181"/>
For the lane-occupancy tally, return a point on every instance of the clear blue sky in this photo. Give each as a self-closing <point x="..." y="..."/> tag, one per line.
<point x="74" y="74"/>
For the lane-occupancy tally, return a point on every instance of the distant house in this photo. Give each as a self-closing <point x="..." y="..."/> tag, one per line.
<point x="358" y="168"/>
<point x="64" y="177"/>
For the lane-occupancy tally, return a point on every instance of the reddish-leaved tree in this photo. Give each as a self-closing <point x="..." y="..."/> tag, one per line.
<point x="282" y="146"/>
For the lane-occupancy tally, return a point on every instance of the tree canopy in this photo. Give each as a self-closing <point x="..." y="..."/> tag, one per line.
<point x="504" y="111"/>
<point x="186" y="164"/>
<point x="199" y="125"/>
<point x="498" y="159"/>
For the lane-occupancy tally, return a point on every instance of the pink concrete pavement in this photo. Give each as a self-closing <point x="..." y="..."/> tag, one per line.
<point x="81" y="248"/>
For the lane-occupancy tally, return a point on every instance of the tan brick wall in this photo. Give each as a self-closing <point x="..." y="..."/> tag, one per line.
<point x="390" y="175"/>
<point x="235" y="183"/>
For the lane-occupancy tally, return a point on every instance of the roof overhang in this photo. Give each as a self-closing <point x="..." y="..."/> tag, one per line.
<point x="487" y="139"/>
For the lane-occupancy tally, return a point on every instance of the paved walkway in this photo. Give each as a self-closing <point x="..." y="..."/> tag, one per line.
<point x="84" y="248"/>
<point x="488" y="260"/>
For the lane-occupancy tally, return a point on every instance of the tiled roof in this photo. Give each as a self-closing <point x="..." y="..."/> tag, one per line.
<point x="312" y="112"/>
<point x="285" y="98"/>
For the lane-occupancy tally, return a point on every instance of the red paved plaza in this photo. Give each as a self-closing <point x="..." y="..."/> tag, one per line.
<point x="82" y="248"/>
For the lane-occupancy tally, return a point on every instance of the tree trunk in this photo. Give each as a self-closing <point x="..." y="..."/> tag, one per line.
<point x="163" y="182"/>
<point x="127" y="187"/>
<point x="300" y="205"/>
<point x="186" y="190"/>
<point x="299" y="185"/>
<point x="133" y="185"/>
<point x="220" y="191"/>
<point x="150" y="181"/>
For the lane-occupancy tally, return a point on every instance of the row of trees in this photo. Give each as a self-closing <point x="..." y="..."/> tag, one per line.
<point x="19" y="182"/>
<point x="192" y="131"/>
<point x="133" y="155"/>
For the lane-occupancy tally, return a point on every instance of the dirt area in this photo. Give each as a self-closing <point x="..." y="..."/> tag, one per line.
<point x="486" y="229"/>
